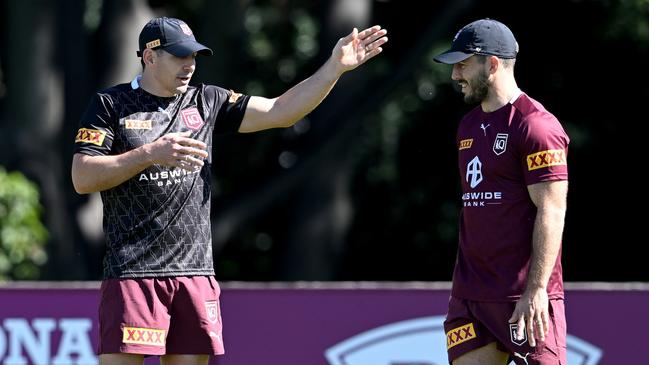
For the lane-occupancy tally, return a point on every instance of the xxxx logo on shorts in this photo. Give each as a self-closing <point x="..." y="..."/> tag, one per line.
<point x="459" y="335"/>
<point x="192" y="118"/>
<point x="93" y="136"/>
<point x="546" y="158"/>
<point x="144" y="336"/>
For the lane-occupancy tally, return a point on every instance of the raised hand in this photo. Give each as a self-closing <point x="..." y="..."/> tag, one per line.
<point x="358" y="47"/>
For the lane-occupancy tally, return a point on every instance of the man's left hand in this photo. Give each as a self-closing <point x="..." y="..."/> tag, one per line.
<point x="531" y="315"/>
<point x="358" y="47"/>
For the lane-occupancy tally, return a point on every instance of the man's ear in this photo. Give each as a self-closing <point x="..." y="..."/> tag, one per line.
<point x="494" y="64"/>
<point x="149" y="56"/>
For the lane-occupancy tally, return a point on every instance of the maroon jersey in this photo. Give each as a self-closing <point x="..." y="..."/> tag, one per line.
<point x="500" y="154"/>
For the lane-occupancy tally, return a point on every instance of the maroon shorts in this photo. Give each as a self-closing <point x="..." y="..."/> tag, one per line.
<point x="470" y="325"/>
<point x="176" y="315"/>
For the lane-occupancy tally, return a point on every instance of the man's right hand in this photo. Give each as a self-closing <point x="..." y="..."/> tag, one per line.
<point x="178" y="150"/>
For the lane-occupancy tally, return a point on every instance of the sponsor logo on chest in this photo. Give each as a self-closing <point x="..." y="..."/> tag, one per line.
<point x="137" y="124"/>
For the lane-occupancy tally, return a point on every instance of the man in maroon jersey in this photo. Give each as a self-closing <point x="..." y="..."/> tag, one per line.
<point x="507" y="298"/>
<point x="147" y="147"/>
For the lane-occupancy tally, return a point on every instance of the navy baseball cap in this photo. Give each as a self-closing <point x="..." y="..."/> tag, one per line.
<point x="483" y="37"/>
<point x="172" y="35"/>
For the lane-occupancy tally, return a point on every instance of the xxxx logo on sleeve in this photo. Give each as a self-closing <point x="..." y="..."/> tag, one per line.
<point x="233" y="97"/>
<point x="144" y="336"/>
<point x="459" y="335"/>
<point x="93" y="136"/>
<point x="466" y="144"/>
<point x="546" y="158"/>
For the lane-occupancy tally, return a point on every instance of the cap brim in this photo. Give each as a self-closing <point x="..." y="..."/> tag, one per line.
<point x="184" y="49"/>
<point x="452" y="57"/>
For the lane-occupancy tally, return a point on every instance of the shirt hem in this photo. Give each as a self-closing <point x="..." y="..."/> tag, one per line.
<point x="132" y="275"/>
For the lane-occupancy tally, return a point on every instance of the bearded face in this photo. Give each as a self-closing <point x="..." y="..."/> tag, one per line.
<point x="472" y="76"/>
<point x="477" y="88"/>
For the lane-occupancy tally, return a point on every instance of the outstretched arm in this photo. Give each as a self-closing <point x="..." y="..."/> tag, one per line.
<point x="531" y="312"/>
<point x="283" y="111"/>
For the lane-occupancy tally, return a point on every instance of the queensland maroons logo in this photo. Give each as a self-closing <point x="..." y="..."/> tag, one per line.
<point x="192" y="118"/>
<point x="500" y="144"/>
<point x="212" y="309"/>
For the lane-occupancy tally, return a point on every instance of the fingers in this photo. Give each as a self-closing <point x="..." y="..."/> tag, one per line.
<point x="351" y="36"/>
<point x="184" y="140"/>
<point x="191" y="151"/>
<point x="535" y="326"/>
<point x="372" y="53"/>
<point x="520" y="328"/>
<point x="180" y="150"/>
<point x="372" y="43"/>
<point x="542" y="326"/>
<point x="369" y="31"/>
<point x="529" y="327"/>
<point x="190" y="158"/>
<point x="189" y="163"/>
<point x="183" y="144"/>
<point x="374" y="36"/>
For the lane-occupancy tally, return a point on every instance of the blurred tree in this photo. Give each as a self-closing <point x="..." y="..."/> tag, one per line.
<point x="364" y="188"/>
<point x="32" y="115"/>
<point x="22" y="235"/>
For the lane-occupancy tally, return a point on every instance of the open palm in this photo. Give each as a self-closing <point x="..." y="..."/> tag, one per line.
<point x="358" y="47"/>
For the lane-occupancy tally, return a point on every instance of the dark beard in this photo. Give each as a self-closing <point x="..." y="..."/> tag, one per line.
<point x="479" y="89"/>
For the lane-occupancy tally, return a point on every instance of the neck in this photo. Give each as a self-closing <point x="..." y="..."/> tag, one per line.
<point x="501" y="92"/>
<point x="149" y="84"/>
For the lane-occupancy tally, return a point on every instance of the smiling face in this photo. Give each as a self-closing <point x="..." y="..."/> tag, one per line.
<point x="169" y="74"/>
<point x="472" y="75"/>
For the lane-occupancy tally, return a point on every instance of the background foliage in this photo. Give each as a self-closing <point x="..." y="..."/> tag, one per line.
<point x="22" y="235"/>
<point x="365" y="187"/>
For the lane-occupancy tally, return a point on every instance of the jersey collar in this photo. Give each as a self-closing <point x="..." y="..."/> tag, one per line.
<point x="517" y="93"/>
<point x="135" y="84"/>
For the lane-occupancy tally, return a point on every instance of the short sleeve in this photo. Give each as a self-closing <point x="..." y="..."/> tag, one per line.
<point x="544" y="149"/>
<point x="95" y="134"/>
<point x="228" y="106"/>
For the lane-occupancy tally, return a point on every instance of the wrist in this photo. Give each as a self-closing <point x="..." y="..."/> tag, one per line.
<point x="146" y="155"/>
<point x="334" y="68"/>
<point x="532" y="287"/>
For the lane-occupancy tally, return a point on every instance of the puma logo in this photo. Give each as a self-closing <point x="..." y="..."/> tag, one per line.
<point x="484" y="128"/>
<point x="522" y="357"/>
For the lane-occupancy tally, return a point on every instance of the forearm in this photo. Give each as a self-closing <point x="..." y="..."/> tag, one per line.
<point x="97" y="173"/>
<point x="546" y="243"/>
<point x="293" y="104"/>
<point x="302" y="98"/>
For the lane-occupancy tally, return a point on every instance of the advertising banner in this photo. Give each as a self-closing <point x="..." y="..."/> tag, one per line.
<point x="318" y="324"/>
